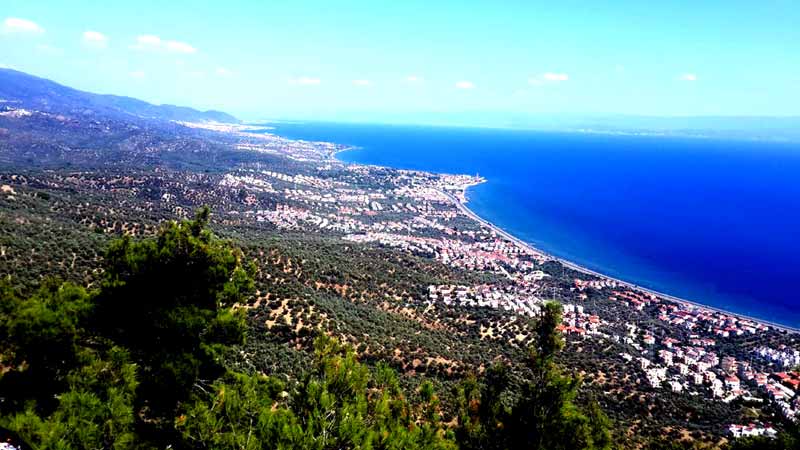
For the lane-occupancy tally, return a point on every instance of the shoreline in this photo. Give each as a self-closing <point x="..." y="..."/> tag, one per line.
<point x="462" y="206"/>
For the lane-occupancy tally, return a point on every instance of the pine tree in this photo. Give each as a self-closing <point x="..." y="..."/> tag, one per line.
<point x="168" y="301"/>
<point x="544" y="415"/>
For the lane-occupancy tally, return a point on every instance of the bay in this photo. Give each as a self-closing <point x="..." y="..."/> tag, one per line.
<point x="710" y="221"/>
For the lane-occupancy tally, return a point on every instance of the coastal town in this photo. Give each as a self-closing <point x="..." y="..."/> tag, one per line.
<point x="631" y="346"/>
<point x="426" y="215"/>
<point x="358" y="225"/>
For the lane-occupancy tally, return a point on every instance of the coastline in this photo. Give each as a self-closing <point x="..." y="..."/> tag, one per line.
<point x="462" y="206"/>
<point x="333" y="155"/>
<point x="566" y="263"/>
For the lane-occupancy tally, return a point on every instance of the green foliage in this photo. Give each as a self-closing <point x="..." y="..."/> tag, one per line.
<point x="599" y="425"/>
<point x="482" y="411"/>
<point x="163" y="310"/>
<point x="544" y="414"/>
<point x="339" y="403"/>
<point x="549" y="340"/>
<point x="138" y="364"/>
<point x="95" y="412"/>
<point x="58" y="392"/>
<point x="237" y="414"/>
<point x="168" y="301"/>
<point x="39" y="339"/>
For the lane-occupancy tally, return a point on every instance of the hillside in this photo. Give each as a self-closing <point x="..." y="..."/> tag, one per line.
<point x="163" y="285"/>
<point x="29" y="92"/>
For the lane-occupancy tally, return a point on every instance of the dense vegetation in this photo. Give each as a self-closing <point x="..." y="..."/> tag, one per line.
<point x="137" y="362"/>
<point x="284" y="337"/>
<point x="63" y="223"/>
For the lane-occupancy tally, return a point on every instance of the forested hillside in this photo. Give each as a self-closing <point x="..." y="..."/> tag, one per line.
<point x="196" y="286"/>
<point x="138" y="362"/>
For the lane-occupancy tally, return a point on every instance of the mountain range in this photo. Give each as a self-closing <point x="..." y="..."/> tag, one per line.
<point x="22" y="90"/>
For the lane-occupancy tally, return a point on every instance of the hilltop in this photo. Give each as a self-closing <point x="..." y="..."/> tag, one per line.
<point x="22" y="90"/>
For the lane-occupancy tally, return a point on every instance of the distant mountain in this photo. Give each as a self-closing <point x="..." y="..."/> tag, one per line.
<point x="22" y="90"/>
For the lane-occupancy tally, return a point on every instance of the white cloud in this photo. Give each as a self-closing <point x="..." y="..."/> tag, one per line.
<point x="305" y="81"/>
<point x="95" y="39"/>
<point x="552" y="76"/>
<point x="7" y="66"/>
<point x="180" y="47"/>
<point x="465" y="85"/>
<point x="688" y="77"/>
<point x="414" y="79"/>
<point x="548" y="77"/>
<point x="223" y="72"/>
<point x="137" y="74"/>
<point x="148" y="39"/>
<point x="16" y="25"/>
<point x="152" y="42"/>
<point x="147" y="42"/>
<point x="361" y="83"/>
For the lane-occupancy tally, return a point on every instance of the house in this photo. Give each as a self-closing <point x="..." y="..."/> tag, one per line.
<point x="732" y="382"/>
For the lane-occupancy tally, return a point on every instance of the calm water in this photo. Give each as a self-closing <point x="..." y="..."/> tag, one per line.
<point x="710" y="221"/>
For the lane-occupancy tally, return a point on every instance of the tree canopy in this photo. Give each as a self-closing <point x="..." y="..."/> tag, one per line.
<point x="339" y="403"/>
<point x="168" y="301"/>
<point x="137" y="363"/>
<point x="543" y="415"/>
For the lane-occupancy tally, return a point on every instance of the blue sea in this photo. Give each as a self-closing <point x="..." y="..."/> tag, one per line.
<point x="712" y="221"/>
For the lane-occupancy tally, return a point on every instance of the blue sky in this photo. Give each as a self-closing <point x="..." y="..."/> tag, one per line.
<point x="323" y="59"/>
